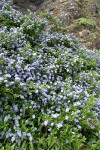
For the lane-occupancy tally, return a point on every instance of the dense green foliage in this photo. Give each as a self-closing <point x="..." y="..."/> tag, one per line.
<point x="49" y="86"/>
<point x="88" y="23"/>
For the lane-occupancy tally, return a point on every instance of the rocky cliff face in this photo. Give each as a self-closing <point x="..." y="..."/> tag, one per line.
<point x="67" y="10"/>
<point x="80" y="17"/>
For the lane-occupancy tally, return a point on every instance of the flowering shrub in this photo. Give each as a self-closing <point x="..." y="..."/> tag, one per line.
<point x="49" y="87"/>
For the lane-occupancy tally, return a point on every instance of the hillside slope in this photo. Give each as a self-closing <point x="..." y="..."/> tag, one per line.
<point x="87" y="29"/>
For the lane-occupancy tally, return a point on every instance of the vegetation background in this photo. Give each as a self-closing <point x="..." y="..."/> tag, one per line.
<point x="49" y="84"/>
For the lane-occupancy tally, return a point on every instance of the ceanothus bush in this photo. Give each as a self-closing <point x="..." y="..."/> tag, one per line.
<point x="49" y="86"/>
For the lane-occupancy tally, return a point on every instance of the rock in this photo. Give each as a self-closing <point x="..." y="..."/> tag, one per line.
<point x="37" y="2"/>
<point x="68" y="11"/>
<point x="97" y="44"/>
<point x="98" y="1"/>
<point x="91" y="7"/>
<point x="84" y="33"/>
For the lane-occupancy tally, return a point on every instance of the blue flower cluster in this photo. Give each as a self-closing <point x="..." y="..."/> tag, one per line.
<point x="49" y="85"/>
